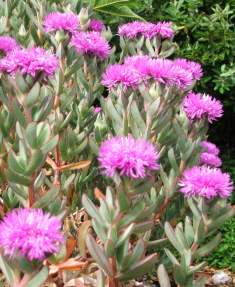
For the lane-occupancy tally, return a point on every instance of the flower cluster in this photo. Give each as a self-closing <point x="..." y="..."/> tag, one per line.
<point x="128" y="157"/>
<point x="29" y="61"/>
<point x="210" y="153"/>
<point x="198" y="106"/>
<point x="96" y="25"/>
<point x="61" y="21"/>
<point x="137" y="69"/>
<point x="206" y="182"/>
<point x="146" y="29"/>
<point x="30" y="233"/>
<point x="8" y="44"/>
<point x="91" y="43"/>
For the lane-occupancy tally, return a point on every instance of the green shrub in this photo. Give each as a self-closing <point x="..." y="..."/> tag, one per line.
<point x="206" y="33"/>
<point x="224" y="255"/>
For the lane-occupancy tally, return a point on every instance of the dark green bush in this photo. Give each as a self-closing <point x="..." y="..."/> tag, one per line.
<point x="205" y="33"/>
<point x="224" y="255"/>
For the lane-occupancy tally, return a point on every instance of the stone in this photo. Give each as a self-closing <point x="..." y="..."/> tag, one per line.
<point x="221" y="277"/>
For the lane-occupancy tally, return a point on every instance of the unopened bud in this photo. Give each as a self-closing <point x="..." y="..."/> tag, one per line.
<point x="83" y="16"/>
<point x="60" y="36"/>
<point x="107" y="34"/>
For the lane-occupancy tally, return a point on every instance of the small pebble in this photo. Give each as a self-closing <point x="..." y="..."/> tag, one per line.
<point x="221" y="278"/>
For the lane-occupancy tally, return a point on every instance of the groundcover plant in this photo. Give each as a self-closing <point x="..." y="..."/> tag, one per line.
<point x="106" y="171"/>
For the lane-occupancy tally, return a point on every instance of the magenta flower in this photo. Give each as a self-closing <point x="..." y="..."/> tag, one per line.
<point x="141" y="64"/>
<point x="128" y="157"/>
<point x="210" y="147"/>
<point x="97" y="110"/>
<point x="148" y="30"/>
<point x="166" y="72"/>
<point x="131" y="30"/>
<point x="192" y="67"/>
<point x="123" y="75"/>
<point x="137" y="69"/>
<point x="164" y="29"/>
<point x="29" y="61"/>
<point x="91" y="43"/>
<point x="8" y="44"/>
<point x="96" y="25"/>
<point x="210" y="159"/>
<point x="206" y="182"/>
<point x="61" y="21"/>
<point x="198" y="106"/>
<point x="30" y="233"/>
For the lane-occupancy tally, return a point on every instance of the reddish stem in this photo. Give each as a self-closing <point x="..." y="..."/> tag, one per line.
<point x="58" y="164"/>
<point x="113" y="282"/>
<point x="167" y="199"/>
<point x="31" y="194"/>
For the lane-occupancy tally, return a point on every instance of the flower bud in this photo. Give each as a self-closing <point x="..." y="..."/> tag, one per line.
<point x="107" y="34"/>
<point x="83" y="16"/>
<point x="60" y="36"/>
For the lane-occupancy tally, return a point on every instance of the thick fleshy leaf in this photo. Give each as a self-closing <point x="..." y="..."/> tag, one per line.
<point x="47" y="198"/>
<point x="98" y="253"/>
<point x="207" y="248"/>
<point x="7" y="270"/>
<point x="173" y="238"/>
<point x="140" y="268"/>
<point x="82" y="234"/>
<point x="39" y="278"/>
<point x="163" y="276"/>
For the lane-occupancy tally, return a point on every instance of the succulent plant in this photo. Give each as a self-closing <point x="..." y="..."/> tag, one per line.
<point x="116" y="133"/>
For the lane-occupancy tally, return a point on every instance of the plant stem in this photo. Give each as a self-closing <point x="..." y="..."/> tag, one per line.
<point x="31" y="192"/>
<point x="168" y="199"/>
<point x="113" y="282"/>
<point x="58" y="164"/>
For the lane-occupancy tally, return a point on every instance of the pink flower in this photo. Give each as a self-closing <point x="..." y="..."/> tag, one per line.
<point x="137" y="69"/>
<point x="148" y="30"/>
<point x="192" y="67"/>
<point x="97" y="110"/>
<point x="8" y="44"/>
<point x="166" y="72"/>
<point x="121" y="75"/>
<point x="131" y="30"/>
<point x="165" y="30"/>
<point x="206" y="182"/>
<point x="128" y="157"/>
<point x="30" y="233"/>
<point x="210" y="147"/>
<point x="29" y="61"/>
<point x="91" y="43"/>
<point x="210" y="159"/>
<point x="61" y="21"/>
<point x="198" y="106"/>
<point x="140" y="63"/>
<point x="96" y="25"/>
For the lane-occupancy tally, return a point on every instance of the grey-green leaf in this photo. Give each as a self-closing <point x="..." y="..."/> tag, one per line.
<point x="163" y="276"/>
<point x="98" y="253"/>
